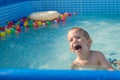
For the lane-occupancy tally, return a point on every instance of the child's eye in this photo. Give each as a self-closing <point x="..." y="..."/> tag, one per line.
<point x="71" y="40"/>
<point x="78" y="37"/>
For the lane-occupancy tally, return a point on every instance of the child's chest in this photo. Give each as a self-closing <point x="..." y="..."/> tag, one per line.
<point x="90" y="61"/>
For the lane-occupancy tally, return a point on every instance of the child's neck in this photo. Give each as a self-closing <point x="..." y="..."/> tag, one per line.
<point x="84" y="56"/>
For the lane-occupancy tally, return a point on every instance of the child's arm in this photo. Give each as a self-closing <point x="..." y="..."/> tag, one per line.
<point x="73" y="65"/>
<point x="104" y="62"/>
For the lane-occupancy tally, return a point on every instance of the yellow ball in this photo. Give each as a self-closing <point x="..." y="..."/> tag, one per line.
<point x="61" y="16"/>
<point x="2" y="34"/>
<point x="26" y="24"/>
<point x="39" y="23"/>
<point x="8" y="31"/>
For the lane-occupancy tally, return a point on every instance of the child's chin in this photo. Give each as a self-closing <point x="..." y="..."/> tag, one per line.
<point x="78" y="51"/>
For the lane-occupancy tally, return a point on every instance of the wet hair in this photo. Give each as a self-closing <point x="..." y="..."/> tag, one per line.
<point x="85" y="33"/>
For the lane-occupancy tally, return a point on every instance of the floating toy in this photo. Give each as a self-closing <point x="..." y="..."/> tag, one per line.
<point x="115" y="63"/>
<point x="47" y="15"/>
<point x="34" y="20"/>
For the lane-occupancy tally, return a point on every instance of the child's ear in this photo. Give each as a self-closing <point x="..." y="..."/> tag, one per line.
<point x="89" y="42"/>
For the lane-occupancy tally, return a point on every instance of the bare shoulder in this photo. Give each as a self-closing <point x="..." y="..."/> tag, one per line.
<point x="98" y="56"/>
<point x="97" y="53"/>
<point x="102" y="60"/>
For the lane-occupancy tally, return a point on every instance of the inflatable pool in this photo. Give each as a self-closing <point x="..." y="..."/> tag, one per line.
<point x="33" y="74"/>
<point x="47" y="15"/>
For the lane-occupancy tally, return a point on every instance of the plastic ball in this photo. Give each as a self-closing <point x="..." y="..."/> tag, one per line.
<point x="2" y="34"/>
<point x="16" y="32"/>
<point x="23" y="19"/>
<point x="18" y="29"/>
<point x="16" y="26"/>
<point x="17" y="23"/>
<point x="8" y="31"/>
<point x="12" y="30"/>
<point x="58" y="20"/>
<point x="55" y="21"/>
<point x="69" y="14"/>
<point x="21" y="23"/>
<point x="22" y="28"/>
<point x="26" y="23"/>
<point x="39" y="23"/>
<point x="43" y="24"/>
<point x="10" y="23"/>
<point x="2" y="28"/>
<point x="35" y="25"/>
<point x="63" y="19"/>
<point x="48" y="22"/>
<point x="30" y="24"/>
<point x="61" y="16"/>
<point x="66" y="14"/>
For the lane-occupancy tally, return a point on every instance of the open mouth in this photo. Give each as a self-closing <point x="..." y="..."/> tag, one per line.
<point x="78" y="47"/>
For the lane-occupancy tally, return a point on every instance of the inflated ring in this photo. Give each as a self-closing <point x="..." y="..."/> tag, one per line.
<point x="47" y="15"/>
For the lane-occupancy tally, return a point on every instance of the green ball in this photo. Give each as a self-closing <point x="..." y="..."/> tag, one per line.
<point x="48" y="22"/>
<point x="12" y="30"/>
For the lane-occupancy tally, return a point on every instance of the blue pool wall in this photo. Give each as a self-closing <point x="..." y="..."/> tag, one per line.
<point x="33" y="74"/>
<point x="14" y="9"/>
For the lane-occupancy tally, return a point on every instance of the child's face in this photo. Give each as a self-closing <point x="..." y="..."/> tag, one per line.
<point x="78" y="42"/>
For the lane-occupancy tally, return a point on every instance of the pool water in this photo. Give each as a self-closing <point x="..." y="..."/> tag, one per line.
<point x="48" y="48"/>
